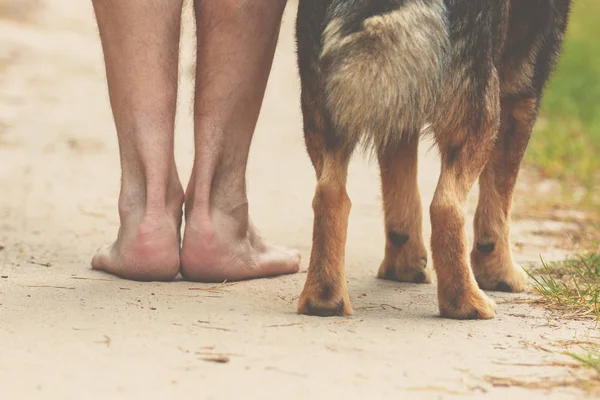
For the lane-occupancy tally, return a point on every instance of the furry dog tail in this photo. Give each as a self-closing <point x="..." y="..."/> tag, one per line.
<point x="381" y="64"/>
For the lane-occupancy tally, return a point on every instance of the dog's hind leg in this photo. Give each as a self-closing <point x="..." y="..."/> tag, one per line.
<point x="491" y="257"/>
<point x="325" y="292"/>
<point x="405" y="254"/>
<point x="465" y="136"/>
<point x="532" y="49"/>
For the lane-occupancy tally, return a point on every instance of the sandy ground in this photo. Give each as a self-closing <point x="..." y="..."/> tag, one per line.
<point x="68" y="332"/>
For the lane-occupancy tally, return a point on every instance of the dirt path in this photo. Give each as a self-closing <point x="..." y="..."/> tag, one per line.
<point x="69" y="332"/>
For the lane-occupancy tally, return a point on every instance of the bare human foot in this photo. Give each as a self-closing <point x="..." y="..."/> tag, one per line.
<point x="235" y="48"/>
<point x="147" y="245"/>
<point x="147" y="251"/>
<point x="141" y="47"/>
<point x="225" y="246"/>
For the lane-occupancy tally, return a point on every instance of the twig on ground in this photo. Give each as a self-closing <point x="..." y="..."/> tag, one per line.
<point x="214" y="289"/>
<point x="219" y="359"/>
<point x="285" y="325"/>
<point x="215" y="328"/>
<point x="46" y="264"/>
<point x="82" y="278"/>
<point x="390" y="306"/>
<point x="50" y="286"/>
<point x="106" y="341"/>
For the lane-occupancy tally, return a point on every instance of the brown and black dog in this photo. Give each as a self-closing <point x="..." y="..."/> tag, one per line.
<point x="375" y="72"/>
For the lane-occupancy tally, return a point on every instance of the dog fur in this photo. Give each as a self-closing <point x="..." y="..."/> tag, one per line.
<point x="373" y="73"/>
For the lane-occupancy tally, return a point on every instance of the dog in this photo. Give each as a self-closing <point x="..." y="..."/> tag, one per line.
<point x="374" y="73"/>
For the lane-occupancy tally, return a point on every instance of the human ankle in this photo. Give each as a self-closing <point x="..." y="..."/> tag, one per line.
<point x="137" y="201"/>
<point x="234" y="217"/>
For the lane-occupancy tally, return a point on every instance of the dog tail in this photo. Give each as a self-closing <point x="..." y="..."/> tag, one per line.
<point x="381" y="62"/>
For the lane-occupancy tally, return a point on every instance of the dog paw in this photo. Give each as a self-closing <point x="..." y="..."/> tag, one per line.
<point x="473" y="304"/>
<point x="325" y="301"/>
<point x="415" y="272"/>
<point x="513" y="280"/>
<point x="498" y="272"/>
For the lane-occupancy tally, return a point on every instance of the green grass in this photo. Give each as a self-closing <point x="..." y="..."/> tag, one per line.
<point x="589" y="359"/>
<point x="571" y="287"/>
<point x="566" y="143"/>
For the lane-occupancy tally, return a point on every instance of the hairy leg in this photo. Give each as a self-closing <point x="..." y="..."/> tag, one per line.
<point x="405" y="254"/>
<point x="325" y="292"/>
<point x="236" y="41"/>
<point x="465" y="145"/>
<point x="140" y="41"/>
<point x="491" y="256"/>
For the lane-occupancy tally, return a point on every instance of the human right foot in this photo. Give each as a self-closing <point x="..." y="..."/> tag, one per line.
<point x="220" y="246"/>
